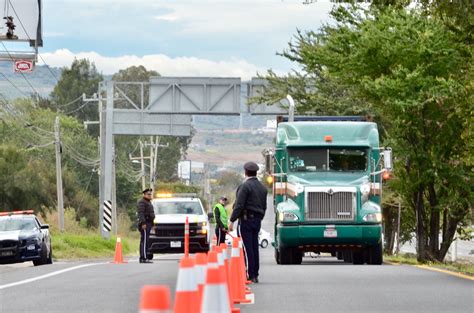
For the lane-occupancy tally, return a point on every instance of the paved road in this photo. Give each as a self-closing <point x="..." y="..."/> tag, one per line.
<point x="318" y="285"/>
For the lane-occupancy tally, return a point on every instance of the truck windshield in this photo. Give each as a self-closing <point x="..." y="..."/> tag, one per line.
<point x="178" y="208"/>
<point x="321" y="159"/>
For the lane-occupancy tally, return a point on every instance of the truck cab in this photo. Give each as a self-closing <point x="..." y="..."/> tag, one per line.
<point x="171" y="211"/>
<point x="327" y="189"/>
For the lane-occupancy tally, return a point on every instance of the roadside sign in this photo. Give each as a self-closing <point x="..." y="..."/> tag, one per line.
<point x="23" y="66"/>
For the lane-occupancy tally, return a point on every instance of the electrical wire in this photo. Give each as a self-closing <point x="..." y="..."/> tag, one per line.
<point x="15" y="86"/>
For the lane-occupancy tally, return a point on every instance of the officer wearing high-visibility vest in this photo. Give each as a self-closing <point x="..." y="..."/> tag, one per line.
<point x="249" y="207"/>
<point x="220" y="214"/>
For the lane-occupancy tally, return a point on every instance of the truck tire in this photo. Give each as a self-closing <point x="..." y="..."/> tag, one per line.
<point x="375" y="256"/>
<point x="264" y="243"/>
<point x="277" y="256"/>
<point x="347" y="256"/>
<point x="297" y="256"/>
<point x="339" y="255"/>
<point x="358" y="257"/>
<point x="285" y="256"/>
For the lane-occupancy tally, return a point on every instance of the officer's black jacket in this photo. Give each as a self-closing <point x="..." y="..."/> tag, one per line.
<point x="251" y="197"/>
<point x="145" y="212"/>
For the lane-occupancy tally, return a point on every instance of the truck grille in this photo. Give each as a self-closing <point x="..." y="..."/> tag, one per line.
<point x="174" y="230"/>
<point x="336" y="206"/>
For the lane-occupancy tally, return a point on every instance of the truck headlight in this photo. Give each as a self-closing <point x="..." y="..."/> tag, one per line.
<point x="364" y="192"/>
<point x="287" y="216"/>
<point x="373" y="217"/>
<point x="203" y="229"/>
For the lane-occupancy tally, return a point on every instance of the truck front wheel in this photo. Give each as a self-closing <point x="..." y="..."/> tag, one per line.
<point x="376" y="254"/>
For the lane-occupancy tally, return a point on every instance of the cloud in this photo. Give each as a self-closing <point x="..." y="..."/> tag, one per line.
<point x="210" y="17"/>
<point x="165" y="65"/>
<point x="167" y="17"/>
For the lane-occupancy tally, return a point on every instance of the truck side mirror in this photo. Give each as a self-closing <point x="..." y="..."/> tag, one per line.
<point x="387" y="158"/>
<point x="268" y="154"/>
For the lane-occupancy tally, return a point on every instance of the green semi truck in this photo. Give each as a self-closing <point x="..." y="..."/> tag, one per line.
<point x="327" y="188"/>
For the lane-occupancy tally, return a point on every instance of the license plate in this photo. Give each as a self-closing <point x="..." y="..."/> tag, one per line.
<point x="330" y="233"/>
<point x="175" y="244"/>
<point x="6" y="253"/>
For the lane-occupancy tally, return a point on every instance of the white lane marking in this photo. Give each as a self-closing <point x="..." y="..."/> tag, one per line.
<point x="26" y="281"/>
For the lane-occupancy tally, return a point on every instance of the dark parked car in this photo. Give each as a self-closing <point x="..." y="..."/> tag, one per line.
<point x="23" y="238"/>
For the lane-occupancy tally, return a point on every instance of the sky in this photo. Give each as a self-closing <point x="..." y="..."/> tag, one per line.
<point x="223" y="38"/>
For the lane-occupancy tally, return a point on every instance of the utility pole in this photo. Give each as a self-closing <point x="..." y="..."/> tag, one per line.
<point x="59" y="179"/>
<point x="398" y="227"/>
<point x="114" y="194"/>
<point x="142" y="162"/>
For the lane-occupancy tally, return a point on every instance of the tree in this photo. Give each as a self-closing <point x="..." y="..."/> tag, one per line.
<point x="81" y="78"/>
<point x="415" y="74"/>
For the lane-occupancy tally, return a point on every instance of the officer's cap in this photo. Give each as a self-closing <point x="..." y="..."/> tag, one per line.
<point x="251" y="166"/>
<point x="147" y="190"/>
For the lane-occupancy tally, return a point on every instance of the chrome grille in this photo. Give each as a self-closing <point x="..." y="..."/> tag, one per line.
<point x="337" y="206"/>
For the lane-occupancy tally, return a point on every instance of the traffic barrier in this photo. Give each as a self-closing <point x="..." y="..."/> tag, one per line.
<point x="154" y="299"/>
<point x="201" y="269"/>
<point x="237" y="284"/>
<point x="186" y="297"/>
<point x="118" y="258"/>
<point x="215" y="297"/>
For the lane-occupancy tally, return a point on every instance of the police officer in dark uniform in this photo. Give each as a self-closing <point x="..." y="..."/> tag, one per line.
<point x="146" y="216"/>
<point x="249" y="208"/>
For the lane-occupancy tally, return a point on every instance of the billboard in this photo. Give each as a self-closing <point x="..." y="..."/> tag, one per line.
<point x="25" y="16"/>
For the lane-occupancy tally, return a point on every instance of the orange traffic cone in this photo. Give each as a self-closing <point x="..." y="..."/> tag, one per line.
<point x="155" y="299"/>
<point x="242" y="261"/>
<point x="237" y="284"/>
<point x="222" y="266"/>
<point x="215" y="297"/>
<point x="186" y="297"/>
<point x="118" y="258"/>
<point x="201" y="269"/>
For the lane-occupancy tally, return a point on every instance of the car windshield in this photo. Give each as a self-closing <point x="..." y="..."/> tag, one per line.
<point x="182" y="207"/>
<point x="321" y="159"/>
<point x="10" y="224"/>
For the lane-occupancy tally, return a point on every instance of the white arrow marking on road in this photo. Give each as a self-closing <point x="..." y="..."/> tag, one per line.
<point x="21" y="282"/>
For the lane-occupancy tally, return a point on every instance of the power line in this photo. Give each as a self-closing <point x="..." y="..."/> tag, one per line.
<point x="15" y="86"/>
<point x="18" y="17"/>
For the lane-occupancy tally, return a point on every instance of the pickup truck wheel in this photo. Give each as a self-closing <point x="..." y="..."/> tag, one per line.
<point x="264" y="243"/>
<point x="339" y="255"/>
<point x="376" y="255"/>
<point x="277" y="256"/>
<point x="44" y="256"/>
<point x="50" y="257"/>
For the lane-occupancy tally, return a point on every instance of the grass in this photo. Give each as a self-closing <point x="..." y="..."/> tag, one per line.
<point x="409" y="258"/>
<point x="92" y="245"/>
